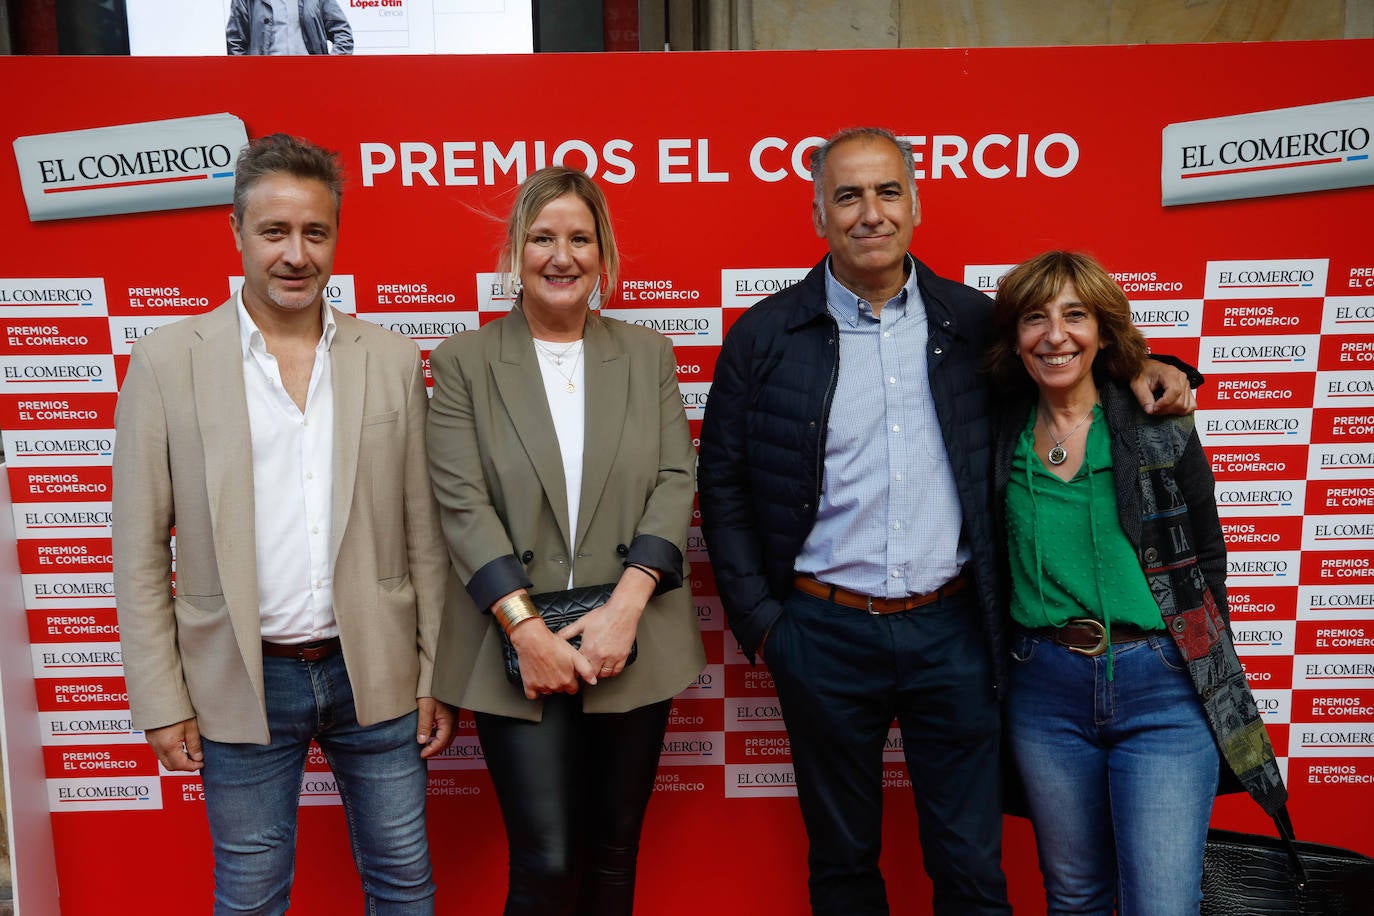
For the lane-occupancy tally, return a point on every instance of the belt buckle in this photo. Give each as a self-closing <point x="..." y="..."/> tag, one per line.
<point x="871" y="612"/>
<point x="1094" y="651"/>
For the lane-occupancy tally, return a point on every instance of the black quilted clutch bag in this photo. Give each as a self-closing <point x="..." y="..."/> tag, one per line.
<point x="1246" y="874"/>
<point x="558" y="610"/>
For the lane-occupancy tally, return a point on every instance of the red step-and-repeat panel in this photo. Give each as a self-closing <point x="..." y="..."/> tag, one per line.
<point x="1228" y="188"/>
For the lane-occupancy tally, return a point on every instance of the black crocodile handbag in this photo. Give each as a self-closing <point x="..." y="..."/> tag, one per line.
<point x="1247" y="874"/>
<point x="558" y="610"/>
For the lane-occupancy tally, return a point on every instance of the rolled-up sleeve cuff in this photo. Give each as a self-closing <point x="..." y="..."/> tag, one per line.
<point x="660" y="554"/>
<point x="501" y="576"/>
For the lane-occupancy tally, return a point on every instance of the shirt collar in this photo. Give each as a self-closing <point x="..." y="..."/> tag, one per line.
<point x="250" y="337"/>
<point x="847" y="307"/>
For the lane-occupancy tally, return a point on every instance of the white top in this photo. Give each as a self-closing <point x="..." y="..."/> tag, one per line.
<point x="563" y="368"/>
<point x="293" y="489"/>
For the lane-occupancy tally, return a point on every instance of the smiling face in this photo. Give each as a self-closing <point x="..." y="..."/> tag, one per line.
<point x="866" y="213"/>
<point x="560" y="263"/>
<point x="287" y="237"/>
<point x="1057" y="343"/>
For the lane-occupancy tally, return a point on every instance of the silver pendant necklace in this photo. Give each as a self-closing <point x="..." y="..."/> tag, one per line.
<point x="1057" y="455"/>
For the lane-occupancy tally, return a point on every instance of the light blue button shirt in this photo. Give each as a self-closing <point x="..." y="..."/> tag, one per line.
<point x="889" y="521"/>
<point x="286" y="28"/>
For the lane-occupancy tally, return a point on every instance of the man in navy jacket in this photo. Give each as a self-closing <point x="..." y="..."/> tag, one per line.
<point x="844" y="484"/>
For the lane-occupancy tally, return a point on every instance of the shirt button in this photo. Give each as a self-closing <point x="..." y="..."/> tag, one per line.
<point x="887" y="333"/>
<point x="309" y="475"/>
<point x="896" y="574"/>
<point x="896" y="428"/>
<point x="897" y="476"/>
<point x="896" y="526"/>
<point x="315" y="530"/>
<point x="892" y="379"/>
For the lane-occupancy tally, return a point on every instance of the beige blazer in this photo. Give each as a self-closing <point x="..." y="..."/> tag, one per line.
<point x="182" y="459"/>
<point x="498" y="474"/>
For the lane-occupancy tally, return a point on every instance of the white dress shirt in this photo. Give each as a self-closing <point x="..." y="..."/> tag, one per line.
<point x="293" y="489"/>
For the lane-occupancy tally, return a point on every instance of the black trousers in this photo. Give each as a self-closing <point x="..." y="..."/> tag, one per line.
<point x="573" y="790"/>
<point x="842" y="676"/>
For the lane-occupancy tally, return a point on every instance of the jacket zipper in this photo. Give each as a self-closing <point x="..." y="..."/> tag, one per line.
<point x="825" y="412"/>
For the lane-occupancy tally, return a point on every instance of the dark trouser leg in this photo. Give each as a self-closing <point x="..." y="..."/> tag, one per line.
<point x="950" y="725"/>
<point x="534" y="767"/>
<point x="621" y="762"/>
<point x="833" y="670"/>
<point x="573" y="790"/>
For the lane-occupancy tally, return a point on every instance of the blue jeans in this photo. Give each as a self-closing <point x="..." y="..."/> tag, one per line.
<point x="1120" y="775"/>
<point x="252" y="792"/>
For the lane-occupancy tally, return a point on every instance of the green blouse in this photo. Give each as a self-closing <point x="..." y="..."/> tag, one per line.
<point x="1069" y="557"/>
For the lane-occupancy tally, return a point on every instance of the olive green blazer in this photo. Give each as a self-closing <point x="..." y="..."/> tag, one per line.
<point x="498" y="476"/>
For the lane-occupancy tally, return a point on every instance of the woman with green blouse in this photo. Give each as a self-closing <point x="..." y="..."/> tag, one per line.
<point x="1125" y="692"/>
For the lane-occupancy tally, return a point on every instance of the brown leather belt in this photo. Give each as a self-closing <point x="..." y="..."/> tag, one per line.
<point x="305" y="651"/>
<point x="845" y="598"/>
<point x="1089" y="637"/>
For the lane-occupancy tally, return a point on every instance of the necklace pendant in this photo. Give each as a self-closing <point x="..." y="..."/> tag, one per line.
<point x="1057" y="455"/>
<point x="572" y="388"/>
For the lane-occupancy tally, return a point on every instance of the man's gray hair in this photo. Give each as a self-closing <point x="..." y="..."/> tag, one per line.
<point x="822" y="153"/>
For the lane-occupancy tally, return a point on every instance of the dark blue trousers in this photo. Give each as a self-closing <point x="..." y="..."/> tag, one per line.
<point x="842" y="676"/>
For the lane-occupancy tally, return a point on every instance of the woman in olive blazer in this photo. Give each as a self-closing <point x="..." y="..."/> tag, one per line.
<point x="519" y="406"/>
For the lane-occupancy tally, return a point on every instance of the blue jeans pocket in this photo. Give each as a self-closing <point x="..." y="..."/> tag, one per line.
<point x="1168" y="652"/>
<point x="1023" y="646"/>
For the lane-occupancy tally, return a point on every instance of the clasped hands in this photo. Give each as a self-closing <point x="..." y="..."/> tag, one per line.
<point x="549" y="663"/>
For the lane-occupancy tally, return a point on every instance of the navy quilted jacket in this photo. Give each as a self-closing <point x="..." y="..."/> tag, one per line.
<point x="763" y="443"/>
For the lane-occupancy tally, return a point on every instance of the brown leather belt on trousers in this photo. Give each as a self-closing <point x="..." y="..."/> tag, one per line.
<point x="305" y="651"/>
<point x="860" y="602"/>
<point x="1089" y="637"/>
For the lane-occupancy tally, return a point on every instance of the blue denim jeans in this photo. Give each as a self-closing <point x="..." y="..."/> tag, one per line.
<point x="1120" y="775"/>
<point x="252" y="792"/>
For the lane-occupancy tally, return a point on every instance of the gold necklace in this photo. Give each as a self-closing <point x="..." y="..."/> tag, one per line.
<point x="556" y="356"/>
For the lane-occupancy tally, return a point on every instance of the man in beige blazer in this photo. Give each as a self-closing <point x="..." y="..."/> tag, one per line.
<point x="284" y="442"/>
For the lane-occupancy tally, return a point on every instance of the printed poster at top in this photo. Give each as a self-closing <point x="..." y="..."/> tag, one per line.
<point x="215" y="27"/>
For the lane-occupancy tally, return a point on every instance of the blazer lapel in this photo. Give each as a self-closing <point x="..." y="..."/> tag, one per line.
<point x="348" y="370"/>
<point x="608" y="388"/>
<point x="222" y="414"/>
<point x="521" y="385"/>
